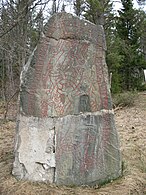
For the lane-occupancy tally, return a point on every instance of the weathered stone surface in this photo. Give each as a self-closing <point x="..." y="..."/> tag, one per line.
<point x="68" y="66"/>
<point x="66" y="132"/>
<point x="35" y="159"/>
<point x="87" y="149"/>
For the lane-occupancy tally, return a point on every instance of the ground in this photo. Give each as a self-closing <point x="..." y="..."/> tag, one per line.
<point x="131" y="125"/>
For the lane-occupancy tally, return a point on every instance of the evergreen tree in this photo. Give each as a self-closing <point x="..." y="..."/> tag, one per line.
<point x="78" y="7"/>
<point x="114" y="60"/>
<point x="141" y="2"/>
<point x="143" y="37"/>
<point x="129" y="25"/>
<point x="97" y="11"/>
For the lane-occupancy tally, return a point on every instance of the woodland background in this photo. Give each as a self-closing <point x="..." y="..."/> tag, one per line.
<point x="22" y="21"/>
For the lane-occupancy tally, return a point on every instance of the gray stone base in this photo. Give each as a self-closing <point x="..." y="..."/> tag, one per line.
<point x="71" y="150"/>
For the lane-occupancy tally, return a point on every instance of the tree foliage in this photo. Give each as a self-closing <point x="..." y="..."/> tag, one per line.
<point x="21" y="23"/>
<point x="129" y="30"/>
<point x="141" y="2"/>
<point x="125" y="54"/>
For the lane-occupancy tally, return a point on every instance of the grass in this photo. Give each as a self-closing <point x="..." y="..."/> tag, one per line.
<point x="126" y="99"/>
<point x="133" y="149"/>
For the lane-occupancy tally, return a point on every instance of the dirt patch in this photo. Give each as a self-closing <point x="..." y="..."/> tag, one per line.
<point x="131" y="124"/>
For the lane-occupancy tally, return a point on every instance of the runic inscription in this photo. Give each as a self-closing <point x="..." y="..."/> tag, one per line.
<point x="66" y="70"/>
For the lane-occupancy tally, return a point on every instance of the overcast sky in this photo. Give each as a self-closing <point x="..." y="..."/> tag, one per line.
<point x="117" y="5"/>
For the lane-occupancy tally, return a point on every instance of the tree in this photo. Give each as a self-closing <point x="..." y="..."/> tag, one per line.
<point x="97" y="11"/>
<point x="143" y="40"/>
<point x="20" y="25"/>
<point x="78" y="7"/>
<point x="129" y="25"/>
<point x="141" y="2"/>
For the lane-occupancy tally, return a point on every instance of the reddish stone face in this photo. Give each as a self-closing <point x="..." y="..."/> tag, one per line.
<point x="69" y="74"/>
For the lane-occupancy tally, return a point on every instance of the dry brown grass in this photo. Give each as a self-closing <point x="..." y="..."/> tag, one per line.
<point x="131" y="124"/>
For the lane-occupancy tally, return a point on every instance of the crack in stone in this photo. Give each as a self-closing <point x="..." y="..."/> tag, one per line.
<point x="73" y="38"/>
<point x="54" y="141"/>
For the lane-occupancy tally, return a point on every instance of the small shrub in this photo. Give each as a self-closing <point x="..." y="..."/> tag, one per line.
<point x="142" y="87"/>
<point x="124" y="99"/>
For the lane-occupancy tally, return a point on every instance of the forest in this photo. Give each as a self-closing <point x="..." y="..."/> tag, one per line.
<point x="22" y="21"/>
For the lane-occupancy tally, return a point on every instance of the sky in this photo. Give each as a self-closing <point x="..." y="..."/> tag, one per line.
<point x="118" y="5"/>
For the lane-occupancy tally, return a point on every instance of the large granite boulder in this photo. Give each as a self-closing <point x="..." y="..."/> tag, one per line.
<point x="65" y="130"/>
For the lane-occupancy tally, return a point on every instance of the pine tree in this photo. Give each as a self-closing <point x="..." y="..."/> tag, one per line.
<point x="129" y="24"/>
<point x="78" y="7"/>
<point x="97" y="11"/>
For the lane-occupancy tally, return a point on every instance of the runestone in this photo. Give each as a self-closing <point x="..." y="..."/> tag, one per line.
<point x="66" y="132"/>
